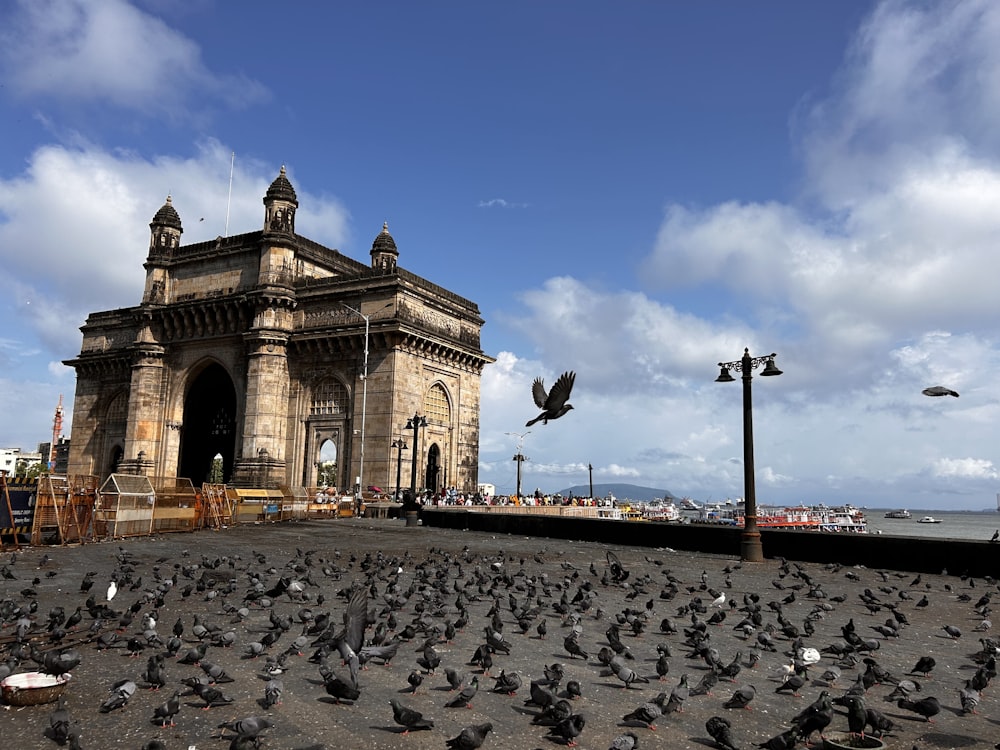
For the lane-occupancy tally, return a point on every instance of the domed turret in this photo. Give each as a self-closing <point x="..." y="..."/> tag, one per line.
<point x="384" y="252"/>
<point x="165" y="228"/>
<point x="280" y="203"/>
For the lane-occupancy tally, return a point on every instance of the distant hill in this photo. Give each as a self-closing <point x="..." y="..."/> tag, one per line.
<point x="621" y="491"/>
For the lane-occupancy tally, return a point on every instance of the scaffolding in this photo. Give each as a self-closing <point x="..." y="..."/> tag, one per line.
<point x="125" y="506"/>
<point x="217" y="512"/>
<point x="64" y="509"/>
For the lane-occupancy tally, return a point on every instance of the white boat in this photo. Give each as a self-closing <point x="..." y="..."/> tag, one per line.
<point x="929" y="519"/>
<point x="689" y="504"/>
<point x="661" y="510"/>
<point x="901" y="513"/>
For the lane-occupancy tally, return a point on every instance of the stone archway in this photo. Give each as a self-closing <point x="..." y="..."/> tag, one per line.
<point x="209" y="425"/>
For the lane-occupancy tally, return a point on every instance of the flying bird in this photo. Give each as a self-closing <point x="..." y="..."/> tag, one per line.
<point x="939" y="390"/>
<point x="554" y="403"/>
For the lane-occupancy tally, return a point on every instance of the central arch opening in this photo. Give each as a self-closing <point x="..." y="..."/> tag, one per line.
<point x="209" y="426"/>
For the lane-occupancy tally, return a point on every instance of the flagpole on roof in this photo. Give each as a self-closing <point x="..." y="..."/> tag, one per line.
<point x="229" y="202"/>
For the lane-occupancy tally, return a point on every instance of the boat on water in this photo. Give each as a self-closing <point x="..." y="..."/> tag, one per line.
<point x="661" y="510"/>
<point x="929" y="519"/>
<point x="843" y="518"/>
<point x="901" y="513"/>
<point x="689" y="504"/>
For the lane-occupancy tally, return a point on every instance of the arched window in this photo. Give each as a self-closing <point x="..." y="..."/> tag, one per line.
<point x="329" y="398"/>
<point x="117" y="413"/>
<point x="436" y="405"/>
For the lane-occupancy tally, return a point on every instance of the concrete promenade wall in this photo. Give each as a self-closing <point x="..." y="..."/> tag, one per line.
<point x="956" y="556"/>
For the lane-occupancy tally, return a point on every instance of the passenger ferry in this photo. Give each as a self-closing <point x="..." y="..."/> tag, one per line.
<point x="661" y="510"/>
<point x="902" y="513"/>
<point x="844" y="518"/>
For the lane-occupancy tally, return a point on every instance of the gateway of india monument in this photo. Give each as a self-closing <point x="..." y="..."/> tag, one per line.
<point x="271" y="350"/>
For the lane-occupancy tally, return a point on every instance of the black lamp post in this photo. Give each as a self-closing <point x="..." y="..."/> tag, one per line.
<point x="415" y="423"/>
<point x="519" y="456"/>
<point x="751" y="550"/>
<point x="399" y="444"/>
<point x="590" y="472"/>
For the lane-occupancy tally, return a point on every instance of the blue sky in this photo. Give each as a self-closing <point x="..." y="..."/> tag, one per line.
<point x="634" y="191"/>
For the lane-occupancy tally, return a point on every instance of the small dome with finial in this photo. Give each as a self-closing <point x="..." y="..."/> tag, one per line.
<point x="384" y="243"/>
<point x="384" y="252"/>
<point x="281" y="189"/>
<point x="167" y="216"/>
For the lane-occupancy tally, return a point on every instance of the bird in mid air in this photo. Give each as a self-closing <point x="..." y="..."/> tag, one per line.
<point x="554" y="403"/>
<point x="939" y="390"/>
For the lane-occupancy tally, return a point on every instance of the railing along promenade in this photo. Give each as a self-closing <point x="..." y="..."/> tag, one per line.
<point x="579" y="523"/>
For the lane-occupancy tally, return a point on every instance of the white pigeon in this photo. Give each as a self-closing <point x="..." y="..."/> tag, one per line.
<point x="719" y="600"/>
<point x="785" y="670"/>
<point x="112" y="590"/>
<point x="808" y="656"/>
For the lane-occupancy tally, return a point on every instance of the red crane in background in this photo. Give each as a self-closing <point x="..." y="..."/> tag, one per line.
<point x="56" y="432"/>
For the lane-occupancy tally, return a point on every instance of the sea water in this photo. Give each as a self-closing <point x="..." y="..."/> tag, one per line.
<point x="955" y="524"/>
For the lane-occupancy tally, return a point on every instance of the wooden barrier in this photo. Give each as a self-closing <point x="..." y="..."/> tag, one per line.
<point x="176" y="506"/>
<point x="217" y="510"/>
<point x="255" y="505"/>
<point x="64" y="509"/>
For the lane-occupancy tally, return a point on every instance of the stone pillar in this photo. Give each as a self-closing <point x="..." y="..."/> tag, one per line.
<point x="145" y="406"/>
<point x="262" y="460"/>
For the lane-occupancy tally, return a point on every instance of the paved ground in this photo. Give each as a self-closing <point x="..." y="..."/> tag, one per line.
<point x="432" y="570"/>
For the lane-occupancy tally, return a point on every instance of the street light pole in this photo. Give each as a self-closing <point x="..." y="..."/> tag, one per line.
<point x="364" y="400"/>
<point x="415" y="423"/>
<point x="399" y="444"/>
<point x="519" y="457"/>
<point x="751" y="549"/>
<point x="590" y="472"/>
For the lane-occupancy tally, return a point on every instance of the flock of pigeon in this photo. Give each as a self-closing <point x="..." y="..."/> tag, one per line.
<point x="568" y="645"/>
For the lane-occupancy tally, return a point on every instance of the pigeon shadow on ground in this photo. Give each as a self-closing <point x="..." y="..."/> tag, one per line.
<point x="707" y="742"/>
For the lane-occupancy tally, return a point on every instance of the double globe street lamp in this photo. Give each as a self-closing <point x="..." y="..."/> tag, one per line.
<point x="415" y="423"/>
<point x="400" y="445"/>
<point x="751" y="550"/>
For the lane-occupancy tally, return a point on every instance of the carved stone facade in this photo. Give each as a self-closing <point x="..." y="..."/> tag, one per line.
<point x="255" y="347"/>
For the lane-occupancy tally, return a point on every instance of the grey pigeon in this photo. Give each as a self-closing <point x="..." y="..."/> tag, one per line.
<point x="626" y="741"/>
<point x="408" y="718"/>
<point x="59" y="723"/>
<point x="272" y="693"/>
<point x="720" y="730"/>
<point x="464" y="697"/>
<point x="554" y="403"/>
<point x="247" y="727"/>
<point x="625" y="673"/>
<point x="470" y="737"/>
<point x="648" y="712"/>
<point x="741" y="697"/>
<point x="121" y="691"/>
<point x="165" y="713"/>
<point x="927" y="707"/>
<point x="939" y="390"/>
<point x="568" y="729"/>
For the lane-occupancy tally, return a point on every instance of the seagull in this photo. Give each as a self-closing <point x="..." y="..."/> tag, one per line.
<point x="554" y="403"/>
<point x="939" y="390"/>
